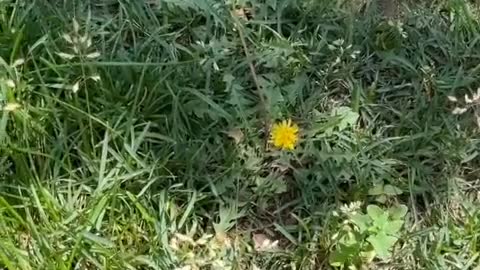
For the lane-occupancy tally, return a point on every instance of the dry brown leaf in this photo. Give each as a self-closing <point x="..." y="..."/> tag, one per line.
<point x="263" y="243"/>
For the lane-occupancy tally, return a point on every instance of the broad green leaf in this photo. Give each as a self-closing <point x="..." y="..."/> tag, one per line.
<point x="294" y="90"/>
<point x="381" y="199"/>
<point x="374" y="211"/>
<point x="398" y="212"/>
<point x="393" y="227"/>
<point x="237" y="97"/>
<point x="350" y="238"/>
<point x="391" y="190"/>
<point x="376" y="190"/>
<point x="200" y="109"/>
<point x="361" y="221"/>
<point x="347" y="117"/>
<point x="344" y="254"/>
<point x="381" y="222"/>
<point x="338" y="258"/>
<point x="382" y="243"/>
<point x="279" y="186"/>
<point x="274" y="95"/>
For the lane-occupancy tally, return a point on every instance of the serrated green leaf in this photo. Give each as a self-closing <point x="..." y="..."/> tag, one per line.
<point x="346" y="116"/>
<point x="279" y="186"/>
<point x="293" y="91"/>
<point x="274" y="95"/>
<point x="237" y="97"/>
<point x="382" y="243"/>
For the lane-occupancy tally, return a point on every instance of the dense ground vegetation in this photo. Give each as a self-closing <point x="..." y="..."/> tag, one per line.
<point x="136" y="135"/>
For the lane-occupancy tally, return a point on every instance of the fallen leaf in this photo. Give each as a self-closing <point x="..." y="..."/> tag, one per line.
<point x="263" y="243"/>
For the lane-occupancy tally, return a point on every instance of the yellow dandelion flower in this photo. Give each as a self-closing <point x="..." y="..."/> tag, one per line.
<point x="284" y="135"/>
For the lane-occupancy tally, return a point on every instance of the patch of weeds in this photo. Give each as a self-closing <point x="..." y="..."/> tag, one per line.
<point x="150" y="135"/>
<point x="363" y="237"/>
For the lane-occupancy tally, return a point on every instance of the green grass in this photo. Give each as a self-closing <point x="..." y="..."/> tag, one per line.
<point x="135" y="135"/>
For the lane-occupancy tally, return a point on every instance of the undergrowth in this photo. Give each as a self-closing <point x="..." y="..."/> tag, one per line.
<point x="137" y="135"/>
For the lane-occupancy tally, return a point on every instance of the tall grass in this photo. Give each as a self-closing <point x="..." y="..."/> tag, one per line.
<point x="134" y="134"/>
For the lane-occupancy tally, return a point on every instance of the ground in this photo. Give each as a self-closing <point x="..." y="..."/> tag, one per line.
<point x="204" y="134"/>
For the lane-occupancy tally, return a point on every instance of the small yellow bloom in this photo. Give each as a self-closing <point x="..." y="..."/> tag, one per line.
<point x="284" y="135"/>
